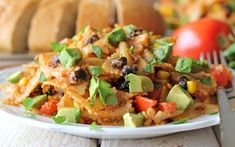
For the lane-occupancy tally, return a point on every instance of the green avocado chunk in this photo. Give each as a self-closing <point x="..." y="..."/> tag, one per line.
<point x="232" y="64"/>
<point x="229" y="53"/>
<point x="116" y="36"/>
<point x="69" y="57"/>
<point x="163" y="52"/>
<point x="129" y="29"/>
<point x="133" y="120"/>
<point x="180" y="96"/>
<point x="35" y="102"/>
<point x="70" y="115"/>
<point x="184" y="65"/>
<point x="15" y="77"/>
<point x="139" y="83"/>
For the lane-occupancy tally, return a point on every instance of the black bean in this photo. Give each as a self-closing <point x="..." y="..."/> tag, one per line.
<point x="183" y="82"/>
<point x="128" y="69"/>
<point x="118" y="63"/>
<point x="55" y="61"/>
<point x="93" y="39"/>
<point x="76" y="75"/>
<point x="120" y="84"/>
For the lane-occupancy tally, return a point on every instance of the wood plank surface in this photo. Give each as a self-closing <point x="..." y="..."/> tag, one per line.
<point x="13" y="134"/>
<point x="197" y="138"/>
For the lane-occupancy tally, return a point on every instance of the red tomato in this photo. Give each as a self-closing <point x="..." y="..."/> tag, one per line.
<point x="167" y="106"/>
<point x="143" y="103"/>
<point x="156" y="94"/>
<point x="49" y="108"/>
<point x="203" y="35"/>
<point x="221" y="74"/>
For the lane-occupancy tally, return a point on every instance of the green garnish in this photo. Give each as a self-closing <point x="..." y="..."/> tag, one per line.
<point x="131" y="49"/>
<point x="97" y="51"/>
<point x="184" y="65"/>
<point x="42" y="77"/>
<point x="116" y="36"/>
<point x="82" y="30"/>
<point x="35" y="102"/>
<point x="151" y="60"/>
<point x="148" y="68"/>
<point x="94" y="127"/>
<point x="57" y="47"/>
<point x="93" y="88"/>
<point x="213" y="113"/>
<point x="67" y="116"/>
<point x="129" y="29"/>
<point x="106" y="94"/>
<point x="180" y="121"/>
<point x="58" y="119"/>
<point x="163" y="52"/>
<point x="95" y="70"/>
<point x="69" y="57"/>
<point x="15" y="77"/>
<point x="206" y="80"/>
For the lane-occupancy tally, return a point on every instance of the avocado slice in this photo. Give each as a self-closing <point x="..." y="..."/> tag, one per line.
<point x="229" y="53"/>
<point x="139" y="83"/>
<point x="116" y="36"/>
<point x="35" y="102"/>
<point x="133" y="120"/>
<point x="70" y="115"/>
<point x="15" y="77"/>
<point x="180" y="96"/>
<point x="69" y="57"/>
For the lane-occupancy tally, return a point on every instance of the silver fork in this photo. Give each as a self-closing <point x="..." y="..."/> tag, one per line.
<point x="227" y="119"/>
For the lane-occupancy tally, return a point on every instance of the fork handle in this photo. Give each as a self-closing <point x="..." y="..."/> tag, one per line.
<point x="227" y="119"/>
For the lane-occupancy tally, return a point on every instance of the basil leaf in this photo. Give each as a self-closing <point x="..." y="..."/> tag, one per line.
<point x="213" y="113"/>
<point x="58" y="47"/>
<point x="149" y="68"/>
<point x="28" y="103"/>
<point x="94" y="127"/>
<point x="97" y="51"/>
<point x="180" y="121"/>
<point x="42" y="77"/>
<point x="131" y="49"/>
<point x="206" y="80"/>
<point x="95" y="70"/>
<point x="59" y="119"/>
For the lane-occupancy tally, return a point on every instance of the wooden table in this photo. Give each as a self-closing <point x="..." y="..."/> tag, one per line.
<point x="14" y="134"/>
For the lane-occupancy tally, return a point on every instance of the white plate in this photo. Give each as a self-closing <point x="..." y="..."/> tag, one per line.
<point x="17" y="114"/>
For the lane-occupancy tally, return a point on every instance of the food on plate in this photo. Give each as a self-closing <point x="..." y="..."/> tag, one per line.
<point x="121" y="76"/>
<point x="140" y="13"/>
<point x="179" y="12"/>
<point x="202" y="36"/>
<point x="97" y="14"/>
<point x="15" y="23"/>
<point x="229" y="54"/>
<point x="53" y="21"/>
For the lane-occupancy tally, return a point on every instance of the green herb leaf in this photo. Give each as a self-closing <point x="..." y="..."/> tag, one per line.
<point x="97" y="51"/>
<point x="148" y="68"/>
<point x="94" y="127"/>
<point x="184" y="65"/>
<point x="59" y="119"/>
<point x="42" y="78"/>
<point x="27" y="103"/>
<point x="58" y="47"/>
<point x="95" y="70"/>
<point x="180" y="121"/>
<point x="93" y="88"/>
<point x="206" y="80"/>
<point x="106" y="94"/>
<point x="213" y="113"/>
<point x="92" y="101"/>
<point x="131" y="49"/>
<point x="129" y="29"/>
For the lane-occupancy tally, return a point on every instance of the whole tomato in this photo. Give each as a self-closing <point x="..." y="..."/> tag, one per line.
<point x="203" y="35"/>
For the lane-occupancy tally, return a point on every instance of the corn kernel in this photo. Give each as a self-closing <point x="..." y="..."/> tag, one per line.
<point x="192" y="86"/>
<point x="23" y="81"/>
<point x="163" y="74"/>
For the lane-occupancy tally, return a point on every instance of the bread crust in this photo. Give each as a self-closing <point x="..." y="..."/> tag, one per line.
<point x="140" y="13"/>
<point x="95" y="13"/>
<point x="15" y="23"/>
<point x="54" y="20"/>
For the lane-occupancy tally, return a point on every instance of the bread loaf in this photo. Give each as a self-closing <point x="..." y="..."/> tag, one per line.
<point x="95" y="13"/>
<point x="54" y="20"/>
<point x="140" y="13"/>
<point x="15" y="23"/>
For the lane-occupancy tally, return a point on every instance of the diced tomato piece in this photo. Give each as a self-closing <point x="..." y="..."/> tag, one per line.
<point x="143" y="103"/>
<point x="167" y="106"/>
<point x="221" y="74"/>
<point x="49" y="108"/>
